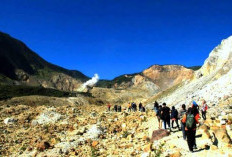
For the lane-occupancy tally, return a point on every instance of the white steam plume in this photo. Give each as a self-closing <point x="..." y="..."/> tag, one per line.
<point x="90" y="82"/>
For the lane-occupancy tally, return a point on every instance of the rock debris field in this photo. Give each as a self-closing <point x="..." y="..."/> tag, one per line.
<point x="89" y="130"/>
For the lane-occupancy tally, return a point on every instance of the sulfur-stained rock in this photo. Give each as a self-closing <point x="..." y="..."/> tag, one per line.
<point x="213" y="147"/>
<point x="147" y="148"/>
<point x="176" y="154"/>
<point x="94" y="143"/>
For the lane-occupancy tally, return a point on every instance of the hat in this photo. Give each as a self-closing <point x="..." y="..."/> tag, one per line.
<point x="194" y="103"/>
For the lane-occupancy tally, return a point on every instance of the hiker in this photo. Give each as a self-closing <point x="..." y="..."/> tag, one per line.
<point x="129" y="107"/>
<point x="115" y="108"/>
<point x="204" y="109"/>
<point x="156" y="107"/>
<point x="134" y="107"/>
<point x="165" y="115"/>
<point x="174" y="116"/>
<point x="119" y="109"/>
<point x="158" y="114"/>
<point x="140" y="106"/>
<point x="108" y="106"/>
<point x="191" y="119"/>
<point x="182" y="112"/>
<point x="195" y="107"/>
<point x="143" y="109"/>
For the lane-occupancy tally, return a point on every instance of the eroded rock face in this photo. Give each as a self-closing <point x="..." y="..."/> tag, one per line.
<point x="219" y="58"/>
<point x="168" y="75"/>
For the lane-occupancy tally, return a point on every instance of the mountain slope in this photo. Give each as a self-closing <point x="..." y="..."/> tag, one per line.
<point x="212" y="81"/>
<point x="18" y="62"/>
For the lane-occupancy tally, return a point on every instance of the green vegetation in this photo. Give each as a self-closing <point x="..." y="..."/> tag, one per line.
<point x="118" y="80"/>
<point x="8" y="91"/>
<point x="158" y="150"/>
<point x="93" y="152"/>
<point x="125" y="134"/>
<point x="195" y="68"/>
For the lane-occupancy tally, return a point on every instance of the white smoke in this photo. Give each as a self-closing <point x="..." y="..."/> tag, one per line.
<point x="90" y="82"/>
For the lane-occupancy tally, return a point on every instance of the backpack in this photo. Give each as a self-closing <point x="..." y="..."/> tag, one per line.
<point x="190" y="122"/>
<point x="181" y="114"/>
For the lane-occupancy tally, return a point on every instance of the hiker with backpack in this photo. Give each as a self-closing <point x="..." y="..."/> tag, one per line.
<point x="174" y="116"/>
<point x="204" y="109"/>
<point x="191" y="120"/>
<point x="182" y="112"/>
<point x="165" y="115"/>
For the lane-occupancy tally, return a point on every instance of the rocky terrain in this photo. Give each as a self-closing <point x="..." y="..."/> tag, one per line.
<point x="41" y="126"/>
<point x="80" y="125"/>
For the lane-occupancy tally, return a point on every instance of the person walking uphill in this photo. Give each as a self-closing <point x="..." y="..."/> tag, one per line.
<point x="191" y="119"/>
<point x="204" y="109"/>
<point x="108" y="106"/>
<point x="156" y="107"/>
<point x="129" y="107"/>
<point x="140" y="107"/>
<point x="182" y="112"/>
<point x="174" y="117"/>
<point x="165" y="115"/>
<point x="158" y="114"/>
<point x="116" y="108"/>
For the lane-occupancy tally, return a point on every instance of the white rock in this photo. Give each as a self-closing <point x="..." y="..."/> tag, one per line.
<point x="93" y="132"/>
<point x="223" y="122"/>
<point x="9" y="121"/>
<point x="145" y="154"/>
<point x="48" y="117"/>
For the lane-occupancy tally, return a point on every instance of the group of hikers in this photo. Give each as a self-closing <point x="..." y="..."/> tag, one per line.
<point x="131" y="107"/>
<point x="117" y="108"/>
<point x="188" y="119"/>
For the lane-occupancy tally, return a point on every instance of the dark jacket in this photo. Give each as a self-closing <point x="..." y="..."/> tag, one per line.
<point x="165" y="113"/>
<point x="174" y="114"/>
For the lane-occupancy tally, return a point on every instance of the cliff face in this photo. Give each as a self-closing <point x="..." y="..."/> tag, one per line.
<point x="168" y="75"/>
<point x="220" y="59"/>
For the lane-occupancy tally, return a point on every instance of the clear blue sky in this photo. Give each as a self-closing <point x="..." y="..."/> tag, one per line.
<point x="114" y="37"/>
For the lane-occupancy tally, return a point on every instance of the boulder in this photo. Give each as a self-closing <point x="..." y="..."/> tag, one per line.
<point x="221" y="137"/>
<point x="41" y="146"/>
<point x="159" y="134"/>
<point x="8" y="121"/>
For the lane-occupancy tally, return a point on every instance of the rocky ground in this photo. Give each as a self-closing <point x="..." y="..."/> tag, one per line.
<point x="78" y="129"/>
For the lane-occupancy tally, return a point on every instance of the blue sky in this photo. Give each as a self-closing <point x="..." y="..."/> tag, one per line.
<point x="115" y="37"/>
